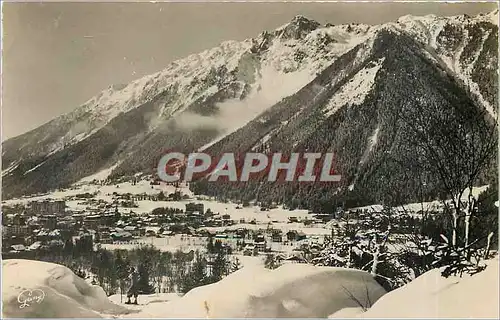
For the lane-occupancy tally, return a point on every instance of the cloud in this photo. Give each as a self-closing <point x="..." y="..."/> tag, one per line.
<point x="192" y="121"/>
<point x="271" y="87"/>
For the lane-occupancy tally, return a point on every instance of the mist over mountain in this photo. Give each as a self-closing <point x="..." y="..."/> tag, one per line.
<point x="303" y="87"/>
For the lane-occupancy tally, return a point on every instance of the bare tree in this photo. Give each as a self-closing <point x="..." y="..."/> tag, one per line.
<point x="456" y="146"/>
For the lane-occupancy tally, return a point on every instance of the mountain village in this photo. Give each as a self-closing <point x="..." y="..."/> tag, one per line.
<point x="176" y="220"/>
<point x="417" y="203"/>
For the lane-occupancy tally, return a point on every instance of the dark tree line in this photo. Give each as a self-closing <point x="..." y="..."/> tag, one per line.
<point x="158" y="271"/>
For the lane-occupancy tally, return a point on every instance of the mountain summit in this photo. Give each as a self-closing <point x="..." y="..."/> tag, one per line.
<point x="301" y="87"/>
<point x="298" y="28"/>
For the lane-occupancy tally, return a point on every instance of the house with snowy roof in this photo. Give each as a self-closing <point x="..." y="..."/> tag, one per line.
<point x="121" y="236"/>
<point x="250" y="250"/>
<point x="17" y="248"/>
<point x="132" y="230"/>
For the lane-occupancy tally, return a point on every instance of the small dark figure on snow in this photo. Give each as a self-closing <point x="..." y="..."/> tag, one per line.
<point x="133" y="291"/>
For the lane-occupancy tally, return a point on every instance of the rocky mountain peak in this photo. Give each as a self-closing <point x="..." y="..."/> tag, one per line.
<point x="302" y="20"/>
<point x="299" y="27"/>
<point x="273" y="71"/>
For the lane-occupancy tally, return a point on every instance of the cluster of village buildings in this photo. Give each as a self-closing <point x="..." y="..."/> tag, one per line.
<point x="33" y="226"/>
<point x="45" y="223"/>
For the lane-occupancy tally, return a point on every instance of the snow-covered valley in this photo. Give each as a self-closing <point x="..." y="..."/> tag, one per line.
<point x="291" y="290"/>
<point x="408" y="110"/>
<point x="225" y="88"/>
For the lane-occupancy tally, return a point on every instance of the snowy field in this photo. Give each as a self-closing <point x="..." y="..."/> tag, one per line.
<point x="318" y="229"/>
<point x="436" y="297"/>
<point x="105" y="193"/>
<point x="188" y="243"/>
<point x="425" y="206"/>
<point x="262" y="220"/>
<point x="170" y="243"/>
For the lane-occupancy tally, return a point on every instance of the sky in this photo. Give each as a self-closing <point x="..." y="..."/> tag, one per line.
<point x="56" y="56"/>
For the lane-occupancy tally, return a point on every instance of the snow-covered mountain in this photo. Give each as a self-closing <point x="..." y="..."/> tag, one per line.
<point x="213" y="99"/>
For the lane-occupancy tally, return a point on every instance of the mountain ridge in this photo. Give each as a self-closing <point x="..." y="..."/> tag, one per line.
<point x="356" y="159"/>
<point x="261" y="71"/>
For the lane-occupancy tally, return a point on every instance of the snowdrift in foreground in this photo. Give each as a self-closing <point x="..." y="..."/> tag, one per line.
<point x="432" y="296"/>
<point x="294" y="291"/>
<point x="255" y="292"/>
<point x="290" y="291"/>
<point x="35" y="289"/>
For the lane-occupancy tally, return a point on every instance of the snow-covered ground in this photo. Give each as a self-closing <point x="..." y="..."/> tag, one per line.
<point x="276" y="215"/>
<point x="425" y="206"/>
<point x="293" y="290"/>
<point x="285" y="227"/>
<point x="35" y="289"/>
<point x="188" y="243"/>
<point x="105" y="193"/>
<point x="169" y="243"/>
<point x="354" y="91"/>
<point x="145" y="299"/>
<point x="289" y="291"/>
<point x="436" y="297"/>
<point x="100" y="175"/>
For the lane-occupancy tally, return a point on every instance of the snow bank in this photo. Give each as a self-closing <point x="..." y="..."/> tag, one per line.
<point x="432" y="296"/>
<point x="292" y="291"/>
<point x="347" y="313"/>
<point x="35" y="289"/>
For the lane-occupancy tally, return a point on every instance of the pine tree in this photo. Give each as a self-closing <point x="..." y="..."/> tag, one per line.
<point x="271" y="262"/>
<point x="210" y="245"/>
<point x="122" y="271"/>
<point x="218" y="246"/>
<point x="144" y="284"/>
<point x="197" y="275"/>
<point x="161" y="196"/>
<point x="68" y="247"/>
<point x="219" y="267"/>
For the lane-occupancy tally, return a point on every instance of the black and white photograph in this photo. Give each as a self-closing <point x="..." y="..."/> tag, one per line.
<point x="250" y="160"/>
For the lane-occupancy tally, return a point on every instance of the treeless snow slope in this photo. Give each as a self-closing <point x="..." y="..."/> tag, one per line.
<point x="292" y="291"/>
<point x="63" y="294"/>
<point x="432" y="296"/>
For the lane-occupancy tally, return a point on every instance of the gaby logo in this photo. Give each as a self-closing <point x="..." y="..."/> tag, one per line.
<point x="301" y="167"/>
<point x="30" y="296"/>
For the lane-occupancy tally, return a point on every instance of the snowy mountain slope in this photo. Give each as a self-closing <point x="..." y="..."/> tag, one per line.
<point x="199" y="101"/>
<point x="467" y="46"/>
<point x="236" y="81"/>
<point x="196" y="76"/>
<point x="354" y="108"/>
